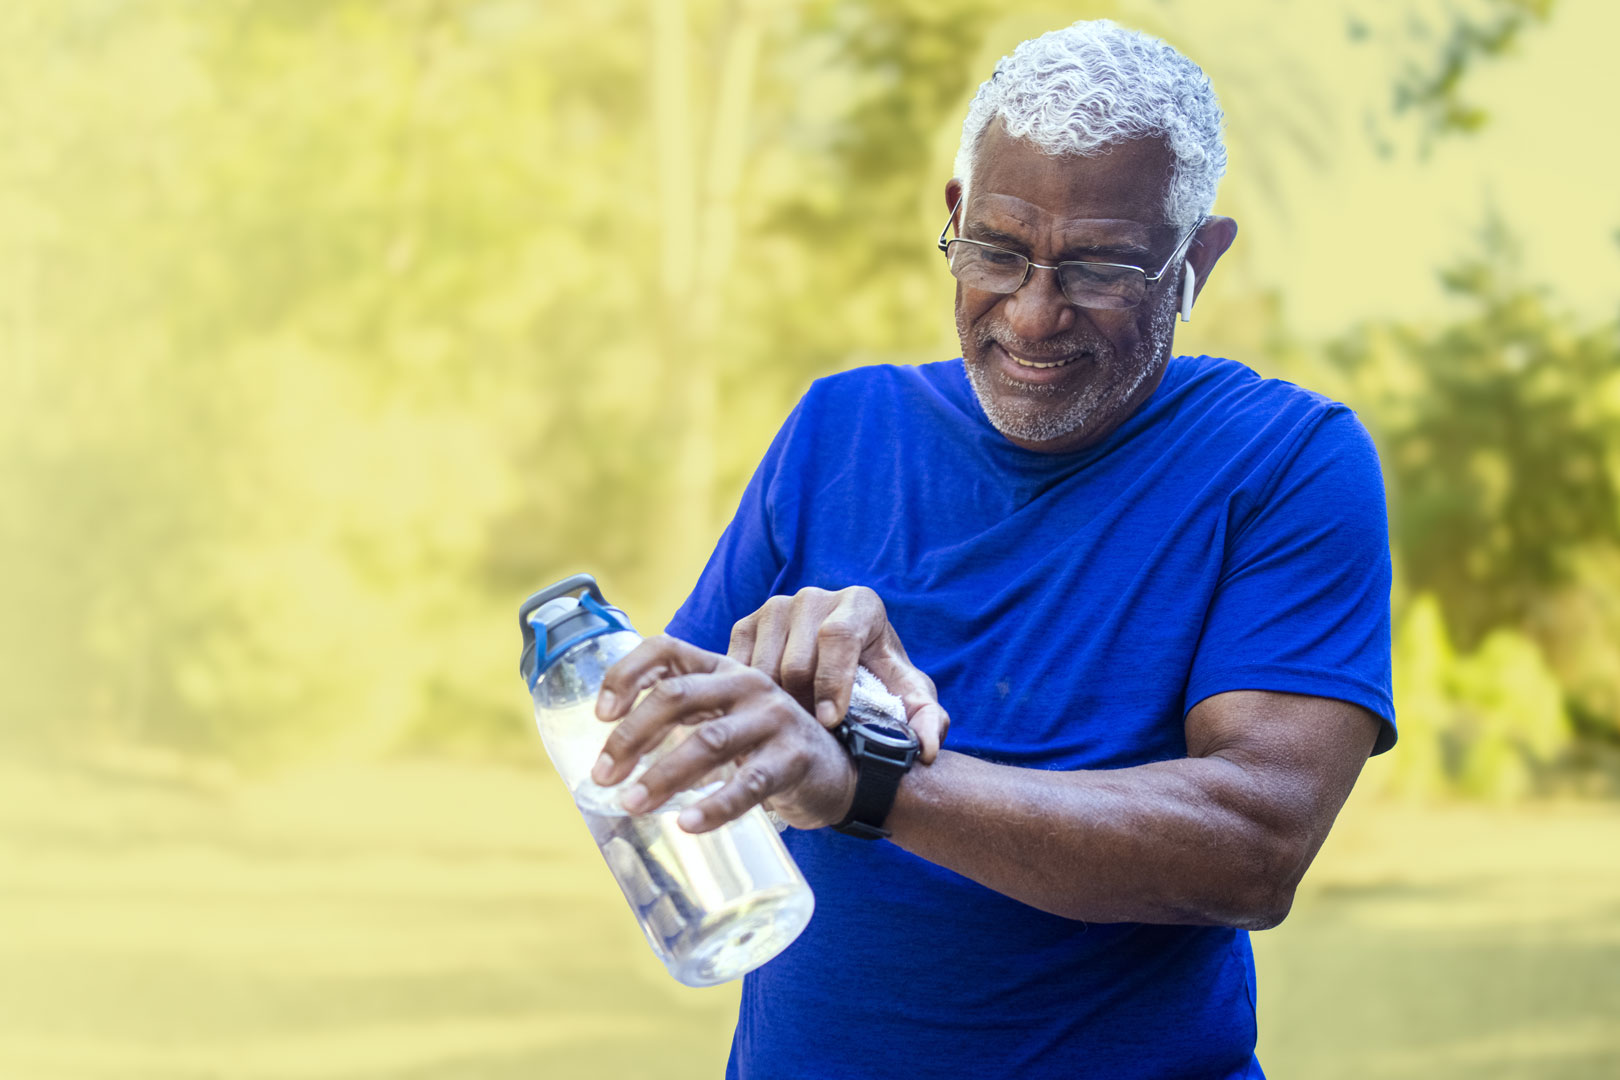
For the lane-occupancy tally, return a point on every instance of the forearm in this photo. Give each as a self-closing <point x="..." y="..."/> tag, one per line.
<point x="1197" y="840"/>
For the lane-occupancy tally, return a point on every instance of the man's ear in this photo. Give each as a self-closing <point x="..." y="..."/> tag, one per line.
<point x="1208" y="247"/>
<point x="953" y="195"/>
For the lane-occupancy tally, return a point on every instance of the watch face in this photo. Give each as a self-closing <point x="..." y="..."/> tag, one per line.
<point x="887" y="732"/>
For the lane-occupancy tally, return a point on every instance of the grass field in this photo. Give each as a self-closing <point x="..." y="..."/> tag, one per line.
<point x="432" y="921"/>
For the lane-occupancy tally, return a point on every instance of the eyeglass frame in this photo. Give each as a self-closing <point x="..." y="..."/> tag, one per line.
<point x="1031" y="264"/>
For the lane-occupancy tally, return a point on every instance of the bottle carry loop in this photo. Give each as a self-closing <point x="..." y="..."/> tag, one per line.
<point x="590" y="604"/>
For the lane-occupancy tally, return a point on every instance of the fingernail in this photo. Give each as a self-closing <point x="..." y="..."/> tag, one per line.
<point x="827" y="713"/>
<point x="690" y="818"/>
<point x="603" y="769"/>
<point x="605" y="702"/>
<point x="634" y="798"/>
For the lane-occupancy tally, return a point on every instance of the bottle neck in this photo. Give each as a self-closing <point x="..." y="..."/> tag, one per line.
<point x="565" y="703"/>
<point x="577" y="674"/>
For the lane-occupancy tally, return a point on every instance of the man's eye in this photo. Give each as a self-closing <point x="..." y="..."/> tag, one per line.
<point x="997" y="257"/>
<point x="1098" y="273"/>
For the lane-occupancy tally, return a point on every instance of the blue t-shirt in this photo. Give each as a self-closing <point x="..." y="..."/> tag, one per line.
<point x="1071" y="609"/>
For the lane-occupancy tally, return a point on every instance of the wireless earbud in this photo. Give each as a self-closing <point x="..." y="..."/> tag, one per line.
<point x="1189" y="283"/>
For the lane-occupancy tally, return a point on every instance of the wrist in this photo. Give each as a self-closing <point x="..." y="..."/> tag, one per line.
<point x="917" y="790"/>
<point x="846" y="798"/>
<point x="881" y="750"/>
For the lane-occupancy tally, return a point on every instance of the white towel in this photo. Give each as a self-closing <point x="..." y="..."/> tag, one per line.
<point x="870" y="695"/>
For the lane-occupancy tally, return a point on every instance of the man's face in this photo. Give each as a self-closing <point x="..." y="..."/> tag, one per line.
<point x="1108" y="208"/>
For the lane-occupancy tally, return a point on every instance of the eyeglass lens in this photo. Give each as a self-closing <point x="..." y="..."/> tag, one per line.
<point x="1094" y="285"/>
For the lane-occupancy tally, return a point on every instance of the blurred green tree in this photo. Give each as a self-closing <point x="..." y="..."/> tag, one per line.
<point x="1432" y="48"/>
<point x="330" y="329"/>
<point x="1500" y="433"/>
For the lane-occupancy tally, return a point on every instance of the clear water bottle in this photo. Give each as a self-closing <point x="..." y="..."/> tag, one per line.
<point x="714" y="906"/>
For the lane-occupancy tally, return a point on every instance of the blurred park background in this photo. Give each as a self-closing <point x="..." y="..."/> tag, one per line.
<point x="330" y="329"/>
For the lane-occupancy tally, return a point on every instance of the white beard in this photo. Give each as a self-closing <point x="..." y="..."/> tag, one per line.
<point x="1031" y="423"/>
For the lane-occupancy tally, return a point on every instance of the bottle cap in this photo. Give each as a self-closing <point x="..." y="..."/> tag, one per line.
<point x="554" y="619"/>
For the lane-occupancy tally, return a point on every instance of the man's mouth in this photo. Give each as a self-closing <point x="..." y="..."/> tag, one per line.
<point x="1033" y="370"/>
<point x="1021" y="362"/>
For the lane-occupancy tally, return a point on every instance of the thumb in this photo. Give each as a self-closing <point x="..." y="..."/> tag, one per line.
<point x="924" y="713"/>
<point x="930" y="721"/>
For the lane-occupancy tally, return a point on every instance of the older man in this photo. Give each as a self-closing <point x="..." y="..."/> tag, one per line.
<point x="1152" y="592"/>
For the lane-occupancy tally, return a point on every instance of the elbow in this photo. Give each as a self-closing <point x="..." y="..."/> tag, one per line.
<point x="1267" y="911"/>
<point x="1262" y="894"/>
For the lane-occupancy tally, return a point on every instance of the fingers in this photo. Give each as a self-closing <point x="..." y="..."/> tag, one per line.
<point x="923" y="711"/>
<point x="741" y="648"/>
<point x="797" y="673"/>
<point x="930" y="722"/>
<point x="780" y="638"/>
<point x="648" y="662"/>
<point x="772" y="623"/>
<point x="773" y="769"/>
<point x="711" y="744"/>
<point x="835" y="674"/>
<point x="856" y="622"/>
<point x="812" y="643"/>
<point x="673" y="700"/>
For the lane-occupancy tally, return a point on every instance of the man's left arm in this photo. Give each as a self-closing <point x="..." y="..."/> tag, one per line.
<point x="1220" y="837"/>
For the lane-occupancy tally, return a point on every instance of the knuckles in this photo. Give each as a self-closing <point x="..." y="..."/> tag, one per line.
<point x="715" y="735"/>
<point x="755" y="681"/>
<point x="866" y="597"/>
<point x="809" y="593"/>
<point x="670" y="691"/>
<point x="756" y="781"/>
<point x="796" y="676"/>
<point x="617" y="744"/>
<point x="837" y="632"/>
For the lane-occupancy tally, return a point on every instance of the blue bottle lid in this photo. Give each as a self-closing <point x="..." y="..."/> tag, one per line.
<point x="555" y="619"/>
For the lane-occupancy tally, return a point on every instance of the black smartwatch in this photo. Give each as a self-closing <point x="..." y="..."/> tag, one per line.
<point x="883" y="749"/>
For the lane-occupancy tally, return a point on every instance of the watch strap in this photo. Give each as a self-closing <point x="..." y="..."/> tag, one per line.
<point x="877" y="781"/>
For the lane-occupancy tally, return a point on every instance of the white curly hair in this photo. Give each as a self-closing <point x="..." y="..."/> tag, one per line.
<point x="1082" y="88"/>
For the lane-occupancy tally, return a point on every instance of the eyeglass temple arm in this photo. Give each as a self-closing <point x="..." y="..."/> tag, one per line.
<point x="1180" y="250"/>
<point x="947" y="228"/>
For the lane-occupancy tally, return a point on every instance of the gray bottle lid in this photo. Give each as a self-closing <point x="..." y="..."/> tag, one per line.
<point x="555" y="619"/>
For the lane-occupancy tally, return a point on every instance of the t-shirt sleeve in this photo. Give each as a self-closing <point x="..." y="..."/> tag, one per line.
<point x="742" y="572"/>
<point x="1302" y="605"/>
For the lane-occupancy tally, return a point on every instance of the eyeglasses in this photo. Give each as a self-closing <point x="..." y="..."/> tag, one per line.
<point x="1085" y="284"/>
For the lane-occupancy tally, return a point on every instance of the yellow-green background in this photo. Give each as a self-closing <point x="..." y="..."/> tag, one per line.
<point x="328" y="330"/>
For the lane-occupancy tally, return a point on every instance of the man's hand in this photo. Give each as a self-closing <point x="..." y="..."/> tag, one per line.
<point x="812" y="642"/>
<point x="741" y="715"/>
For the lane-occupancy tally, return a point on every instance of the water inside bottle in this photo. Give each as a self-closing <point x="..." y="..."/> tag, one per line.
<point x="714" y="906"/>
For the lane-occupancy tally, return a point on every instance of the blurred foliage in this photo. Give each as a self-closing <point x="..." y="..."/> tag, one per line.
<point x="1501" y="431"/>
<point x="1432" y="47"/>
<point x="1500" y="437"/>
<point x="1489" y="723"/>
<point x="330" y="329"/>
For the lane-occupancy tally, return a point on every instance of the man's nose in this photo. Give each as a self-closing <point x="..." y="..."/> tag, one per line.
<point x="1039" y="310"/>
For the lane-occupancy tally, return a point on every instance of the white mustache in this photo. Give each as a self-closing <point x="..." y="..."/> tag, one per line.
<point x="1041" y="352"/>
